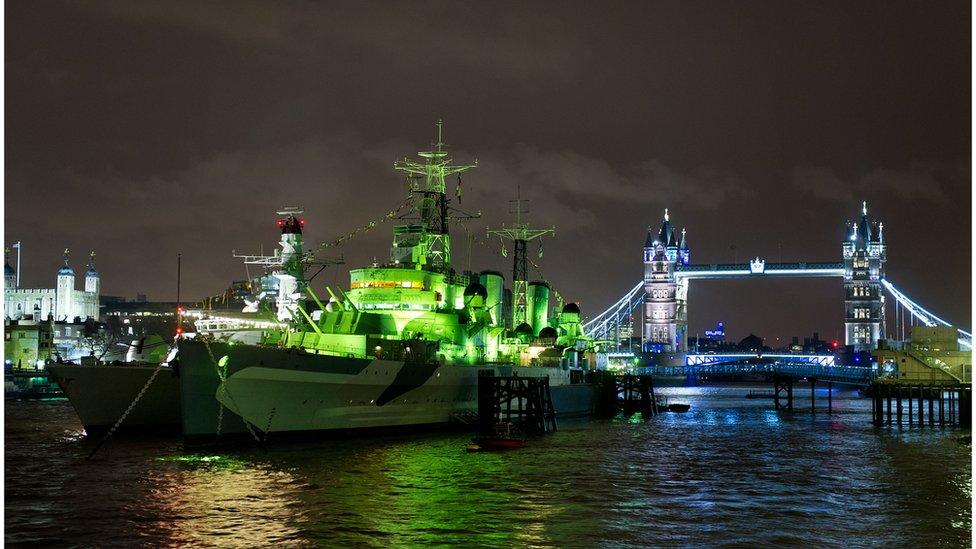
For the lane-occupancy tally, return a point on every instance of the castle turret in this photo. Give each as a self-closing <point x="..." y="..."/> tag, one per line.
<point x="64" y="292"/>
<point x="9" y="274"/>
<point x="864" y="267"/>
<point x="91" y="276"/>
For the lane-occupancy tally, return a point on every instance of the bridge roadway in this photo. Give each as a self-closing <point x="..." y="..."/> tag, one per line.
<point x="820" y="367"/>
<point x="606" y="325"/>
<point x="759" y="269"/>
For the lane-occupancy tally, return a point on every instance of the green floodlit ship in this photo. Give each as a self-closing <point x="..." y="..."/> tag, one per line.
<point x="402" y="346"/>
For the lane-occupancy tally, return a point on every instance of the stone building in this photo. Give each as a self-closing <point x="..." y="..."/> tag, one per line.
<point x="665" y="317"/>
<point x="865" y="255"/>
<point x="62" y="303"/>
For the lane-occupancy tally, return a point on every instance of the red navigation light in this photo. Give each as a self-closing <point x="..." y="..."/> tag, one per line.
<point x="179" y="331"/>
<point x="301" y="221"/>
<point x="281" y="223"/>
<point x="834" y="344"/>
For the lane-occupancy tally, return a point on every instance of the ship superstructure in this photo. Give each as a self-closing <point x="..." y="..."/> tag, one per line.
<point x="416" y="303"/>
<point x="271" y="301"/>
<point x="403" y="345"/>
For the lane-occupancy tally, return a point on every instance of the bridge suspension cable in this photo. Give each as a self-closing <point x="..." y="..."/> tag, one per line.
<point x="597" y="327"/>
<point x="924" y="316"/>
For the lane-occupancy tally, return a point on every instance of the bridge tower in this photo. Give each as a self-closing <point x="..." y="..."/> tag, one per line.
<point x="665" y="314"/>
<point x="864" y="267"/>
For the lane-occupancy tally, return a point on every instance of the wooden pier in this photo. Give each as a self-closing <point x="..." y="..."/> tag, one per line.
<point x="628" y="392"/>
<point x="920" y="405"/>
<point x="523" y="401"/>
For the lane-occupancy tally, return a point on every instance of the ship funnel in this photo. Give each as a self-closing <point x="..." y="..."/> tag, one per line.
<point x="494" y="284"/>
<point x="538" y="305"/>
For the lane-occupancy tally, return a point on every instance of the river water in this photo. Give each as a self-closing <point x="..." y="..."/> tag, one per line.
<point x="731" y="471"/>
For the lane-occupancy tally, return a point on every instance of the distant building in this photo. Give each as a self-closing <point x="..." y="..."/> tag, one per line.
<point x="718" y="334"/>
<point x="816" y="346"/>
<point x="752" y="344"/>
<point x="62" y="303"/>
<point x="27" y="344"/>
<point x="131" y="320"/>
<point x="932" y="355"/>
<point x="712" y="342"/>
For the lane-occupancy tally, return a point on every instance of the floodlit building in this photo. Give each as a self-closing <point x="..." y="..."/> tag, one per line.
<point x="932" y="355"/>
<point x="62" y="303"/>
<point x="27" y="344"/>
<point x="864" y="267"/>
<point x="664" y="314"/>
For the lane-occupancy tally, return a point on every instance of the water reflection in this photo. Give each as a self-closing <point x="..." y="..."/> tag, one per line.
<point x="217" y="499"/>
<point x="730" y="470"/>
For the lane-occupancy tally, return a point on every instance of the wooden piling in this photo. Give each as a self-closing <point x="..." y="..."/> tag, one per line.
<point x="965" y="406"/>
<point x="931" y="394"/>
<point x="880" y="406"/>
<point x="899" y="405"/>
<point x="921" y="406"/>
<point x="533" y="408"/>
<point x="952" y="406"/>
<point x="650" y="383"/>
<point x="911" y="414"/>
<point x="888" y="391"/>
<point x="941" y="407"/>
<point x="875" y="404"/>
<point x="813" y="395"/>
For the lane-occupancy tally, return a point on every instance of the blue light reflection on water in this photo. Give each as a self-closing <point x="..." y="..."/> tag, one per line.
<point x="730" y="470"/>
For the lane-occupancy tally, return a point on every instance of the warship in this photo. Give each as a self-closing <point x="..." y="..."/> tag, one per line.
<point x="102" y="393"/>
<point x="402" y="346"/>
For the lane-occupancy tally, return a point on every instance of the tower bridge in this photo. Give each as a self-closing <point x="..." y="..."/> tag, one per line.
<point x="662" y="295"/>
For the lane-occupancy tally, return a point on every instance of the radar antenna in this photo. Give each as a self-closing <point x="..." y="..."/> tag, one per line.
<point x="520" y="234"/>
<point x="426" y="180"/>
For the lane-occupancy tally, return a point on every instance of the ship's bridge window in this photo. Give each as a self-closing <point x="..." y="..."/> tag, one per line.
<point x="382" y="284"/>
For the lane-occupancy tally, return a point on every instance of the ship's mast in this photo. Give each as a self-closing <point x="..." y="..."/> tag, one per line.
<point x="288" y="264"/>
<point x="427" y="180"/>
<point x="520" y="234"/>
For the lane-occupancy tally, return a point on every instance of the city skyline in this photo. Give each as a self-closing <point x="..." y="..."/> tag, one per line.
<point x="149" y="130"/>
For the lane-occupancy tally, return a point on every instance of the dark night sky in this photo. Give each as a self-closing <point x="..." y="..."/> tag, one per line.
<point x="140" y="129"/>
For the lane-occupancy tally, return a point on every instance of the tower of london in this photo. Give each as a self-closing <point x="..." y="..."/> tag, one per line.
<point x="62" y="303"/>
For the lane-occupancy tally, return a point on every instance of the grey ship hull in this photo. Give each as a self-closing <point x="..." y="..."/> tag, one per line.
<point x="283" y="392"/>
<point x="101" y="394"/>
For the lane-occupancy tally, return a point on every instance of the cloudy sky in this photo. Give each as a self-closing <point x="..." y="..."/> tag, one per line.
<point x="141" y="129"/>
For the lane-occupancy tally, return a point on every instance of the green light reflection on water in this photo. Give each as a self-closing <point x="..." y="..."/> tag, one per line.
<point x="442" y="494"/>
<point x="432" y="491"/>
<point x="212" y="461"/>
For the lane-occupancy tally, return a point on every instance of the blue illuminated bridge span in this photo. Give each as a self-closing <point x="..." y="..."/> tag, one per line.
<point x="607" y="326"/>
<point x="658" y="304"/>
<point x="820" y="367"/>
